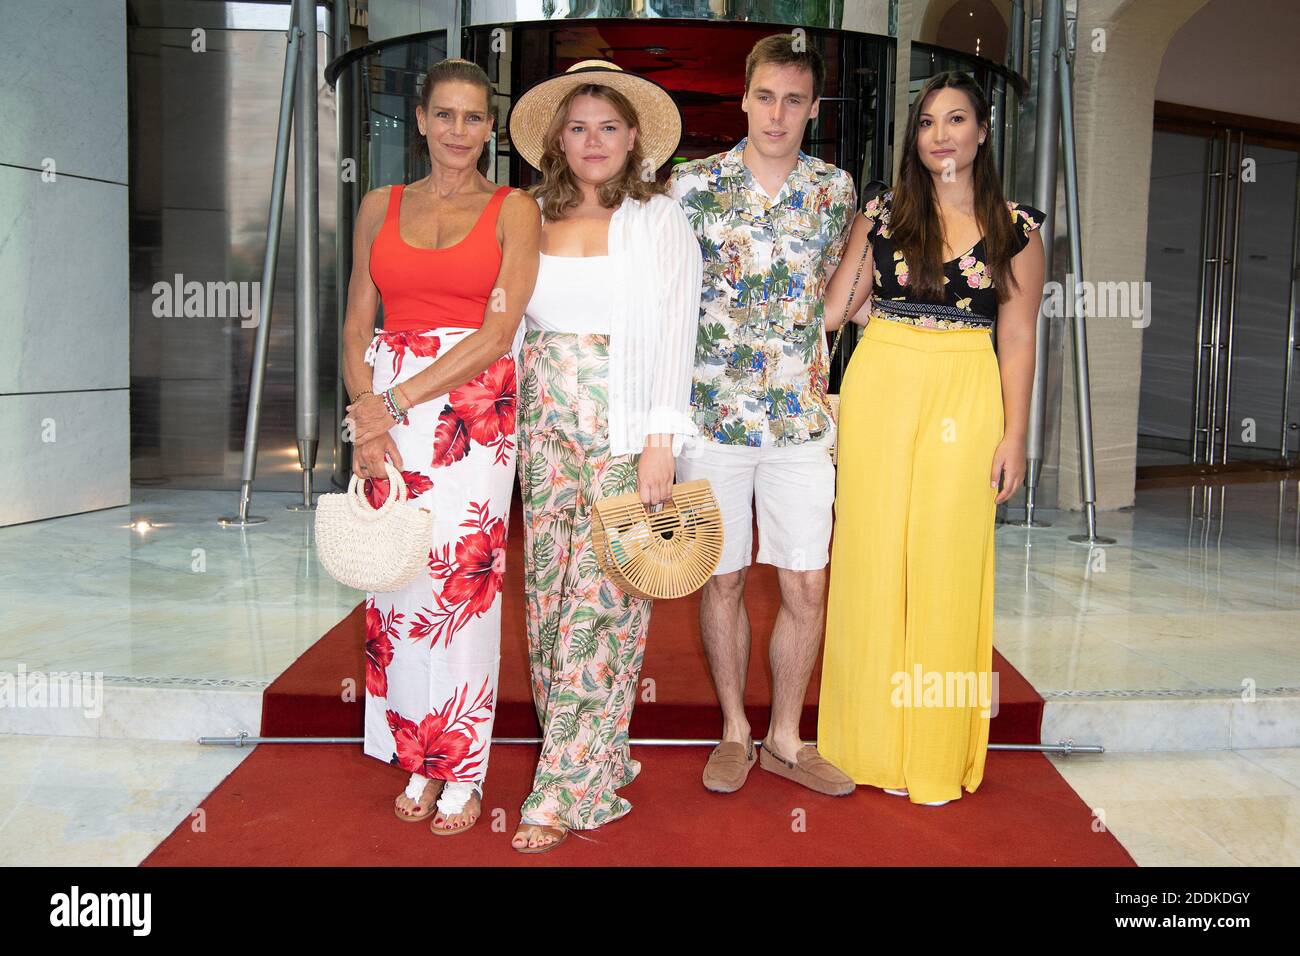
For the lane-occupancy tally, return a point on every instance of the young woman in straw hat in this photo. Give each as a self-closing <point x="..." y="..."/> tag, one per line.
<point x="604" y="409"/>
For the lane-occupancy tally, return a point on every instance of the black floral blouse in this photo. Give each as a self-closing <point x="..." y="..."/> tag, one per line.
<point x="970" y="301"/>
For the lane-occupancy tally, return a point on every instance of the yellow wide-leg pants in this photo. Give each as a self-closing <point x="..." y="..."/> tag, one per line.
<point x="906" y="688"/>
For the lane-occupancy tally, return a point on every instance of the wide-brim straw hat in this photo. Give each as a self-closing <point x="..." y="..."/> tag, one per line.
<point x="661" y="121"/>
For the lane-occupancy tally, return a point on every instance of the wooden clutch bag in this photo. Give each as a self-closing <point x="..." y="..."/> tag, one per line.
<point x="659" y="554"/>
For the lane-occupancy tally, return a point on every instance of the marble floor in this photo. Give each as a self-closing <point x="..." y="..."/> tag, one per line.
<point x="1177" y="648"/>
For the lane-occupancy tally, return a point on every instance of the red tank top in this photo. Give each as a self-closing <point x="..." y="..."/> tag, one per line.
<point x="434" y="288"/>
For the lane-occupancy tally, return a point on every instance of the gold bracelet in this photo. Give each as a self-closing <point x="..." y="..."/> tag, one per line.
<point x="357" y="396"/>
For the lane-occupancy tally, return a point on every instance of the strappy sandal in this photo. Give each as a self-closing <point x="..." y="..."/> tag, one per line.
<point x="417" y="789"/>
<point x="448" y="812"/>
<point x="545" y="847"/>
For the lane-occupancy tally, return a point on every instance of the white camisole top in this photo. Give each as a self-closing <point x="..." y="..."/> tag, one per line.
<point x="572" y="294"/>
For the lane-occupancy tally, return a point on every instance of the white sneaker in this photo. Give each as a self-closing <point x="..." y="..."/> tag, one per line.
<point x="896" y="793"/>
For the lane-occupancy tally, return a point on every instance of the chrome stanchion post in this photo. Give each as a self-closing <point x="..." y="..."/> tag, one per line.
<point x="1213" y="427"/>
<point x="1047" y="133"/>
<point x="1010" y="124"/>
<point x="1083" y="401"/>
<point x="307" y="226"/>
<point x="345" y="197"/>
<point x="1203" y="275"/>
<point x="1232" y="297"/>
<point x="270" y="259"/>
<point x="1291" y="345"/>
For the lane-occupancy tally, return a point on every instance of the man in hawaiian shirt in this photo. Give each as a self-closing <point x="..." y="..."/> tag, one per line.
<point x="772" y="223"/>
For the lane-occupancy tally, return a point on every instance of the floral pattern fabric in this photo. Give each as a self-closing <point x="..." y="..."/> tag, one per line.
<point x="761" y="357"/>
<point x="586" y="637"/>
<point x="970" y="301"/>
<point x="433" y="649"/>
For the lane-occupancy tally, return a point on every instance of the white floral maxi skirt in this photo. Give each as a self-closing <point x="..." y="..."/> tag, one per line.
<point x="433" y="649"/>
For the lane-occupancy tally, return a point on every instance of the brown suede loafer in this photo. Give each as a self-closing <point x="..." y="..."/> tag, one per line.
<point x="728" y="766"/>
<point x="809" y="769"/>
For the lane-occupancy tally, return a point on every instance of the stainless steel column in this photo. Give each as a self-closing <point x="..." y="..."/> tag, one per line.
<point x="1082" y="389"/>
<point x="345" y="196"/>
<point x="1207" y="261"/>
<point x="1045" y="155"/>
<point x="1212" y="426"/>
<point x="1232" y="296"/>
<point x="270" y="258"/>
<point x="1291" y="344"/>
<point x="1011" y="98"/>
<point x="306" y="197"/>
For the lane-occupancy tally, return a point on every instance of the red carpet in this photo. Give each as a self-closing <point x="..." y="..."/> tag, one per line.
<point x="329" y="805"/>
<point x="274" y="809"/>
<point x="305" y="701"/>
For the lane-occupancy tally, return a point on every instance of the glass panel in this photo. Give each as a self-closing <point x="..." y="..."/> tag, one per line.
<point x="1259" y="339"/>
<point x="1178" y="170"/>
<point x="391" y="81"/>
<point x="202" y="133"/>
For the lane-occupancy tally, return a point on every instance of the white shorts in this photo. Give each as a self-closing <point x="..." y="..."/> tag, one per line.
<point x="793" y="487"/>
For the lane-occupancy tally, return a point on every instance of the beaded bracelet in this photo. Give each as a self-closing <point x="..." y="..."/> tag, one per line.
<point x="358" y="395"/>
<point x="398" y="413"/>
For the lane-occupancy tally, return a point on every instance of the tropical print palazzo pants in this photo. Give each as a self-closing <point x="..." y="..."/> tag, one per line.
<point x="586" y="638"/>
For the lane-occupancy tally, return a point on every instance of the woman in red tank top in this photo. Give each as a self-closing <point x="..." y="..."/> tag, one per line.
<point x="453" y="259"/>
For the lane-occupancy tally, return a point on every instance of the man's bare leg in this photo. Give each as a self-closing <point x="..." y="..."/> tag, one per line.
<point x="796" y="640"/>
<point x="724" y="625"/>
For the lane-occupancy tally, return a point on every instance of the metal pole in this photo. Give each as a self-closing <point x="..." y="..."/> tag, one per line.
<point x="1291" y="321"/>
<point x="1202" y="274"/>
<point x="270" y="258"/>
<point x="1232" y="296"/>
<point x="1065" y="746"/>
<point x="1083" y="392"/>
<point x="1045" y="157"/>
<point x="306" y="197"/>
<point x="345" y="198"/>
<point x="1011" y="98"/>
<point x="1016" y="50"/>
<point x="1216" y="324"/>
<point x="454" y="29"/>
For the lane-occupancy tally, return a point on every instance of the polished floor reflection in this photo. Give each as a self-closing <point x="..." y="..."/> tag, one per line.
<point x="1177" y="649"/>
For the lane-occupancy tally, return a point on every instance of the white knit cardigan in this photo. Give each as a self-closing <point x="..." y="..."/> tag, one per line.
<point x="656" y="270"/>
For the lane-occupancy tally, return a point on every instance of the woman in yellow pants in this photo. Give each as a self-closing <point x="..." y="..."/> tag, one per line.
<point x="931" y="437"/>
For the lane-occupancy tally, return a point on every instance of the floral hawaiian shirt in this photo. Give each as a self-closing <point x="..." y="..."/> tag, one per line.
<point x="761" y="356"/>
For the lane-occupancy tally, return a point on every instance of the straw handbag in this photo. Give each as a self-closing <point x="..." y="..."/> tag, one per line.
<point x="372" y="549"/>
<point x="659" y="554"/>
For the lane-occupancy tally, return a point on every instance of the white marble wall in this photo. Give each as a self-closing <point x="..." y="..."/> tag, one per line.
<point x="64" y="318"/>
